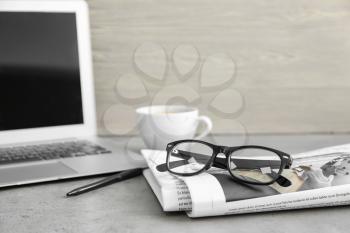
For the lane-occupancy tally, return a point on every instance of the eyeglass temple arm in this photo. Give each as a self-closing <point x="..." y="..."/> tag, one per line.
<point x="221" y="163"/>
<point x="186" y="155"/>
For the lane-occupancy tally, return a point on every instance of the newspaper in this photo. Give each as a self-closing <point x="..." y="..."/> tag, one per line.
<point x="318" y="178"/>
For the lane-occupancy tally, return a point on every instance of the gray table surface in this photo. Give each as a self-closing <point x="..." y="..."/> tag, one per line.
<point x="131" y="206"/>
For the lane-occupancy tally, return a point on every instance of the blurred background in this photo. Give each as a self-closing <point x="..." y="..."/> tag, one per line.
<point x="256" y="66"/>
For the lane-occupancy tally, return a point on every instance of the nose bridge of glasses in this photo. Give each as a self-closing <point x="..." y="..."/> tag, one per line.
<point x="220" y="157"/>
<point x="224" y="150"/>
<point x="219" y="161"/>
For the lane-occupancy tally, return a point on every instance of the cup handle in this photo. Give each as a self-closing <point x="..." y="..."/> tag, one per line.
<point x="208" y="126"/>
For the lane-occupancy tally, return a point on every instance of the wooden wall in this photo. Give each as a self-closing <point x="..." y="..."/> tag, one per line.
<point x="291" y="62"/>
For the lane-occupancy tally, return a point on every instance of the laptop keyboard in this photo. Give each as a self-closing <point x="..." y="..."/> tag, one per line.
<point x="49" y="151"/>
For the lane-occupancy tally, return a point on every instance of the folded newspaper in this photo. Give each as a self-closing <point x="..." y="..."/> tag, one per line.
<point x="318" y="178"/>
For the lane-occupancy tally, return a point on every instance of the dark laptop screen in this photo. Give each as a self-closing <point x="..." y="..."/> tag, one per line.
<point x="39" y="70"/>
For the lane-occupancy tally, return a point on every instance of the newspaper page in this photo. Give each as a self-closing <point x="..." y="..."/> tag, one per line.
<point x="319" y="178"/>
<point x="171" y="192"/>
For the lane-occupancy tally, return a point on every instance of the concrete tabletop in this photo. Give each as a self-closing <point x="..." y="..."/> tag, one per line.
<point x="131" y="206"/>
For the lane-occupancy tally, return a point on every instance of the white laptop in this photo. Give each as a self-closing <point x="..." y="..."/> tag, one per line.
<point x="47" y="105"/>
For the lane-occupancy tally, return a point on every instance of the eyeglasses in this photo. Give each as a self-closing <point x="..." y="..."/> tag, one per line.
<point x="249" y="164"/>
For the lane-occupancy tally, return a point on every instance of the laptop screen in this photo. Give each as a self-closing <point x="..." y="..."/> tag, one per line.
<point x="39" y="70"/>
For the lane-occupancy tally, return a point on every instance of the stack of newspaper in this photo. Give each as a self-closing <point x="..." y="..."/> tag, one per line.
<point x="319" y="178"/>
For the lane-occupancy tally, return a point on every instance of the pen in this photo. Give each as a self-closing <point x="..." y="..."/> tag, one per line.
<point x="124" y="175"/>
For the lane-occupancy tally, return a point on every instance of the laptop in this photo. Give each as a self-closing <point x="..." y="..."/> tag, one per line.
<point x="47" y="105"/>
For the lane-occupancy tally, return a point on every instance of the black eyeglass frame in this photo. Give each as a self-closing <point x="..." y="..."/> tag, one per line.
<point x="286" y="159"/>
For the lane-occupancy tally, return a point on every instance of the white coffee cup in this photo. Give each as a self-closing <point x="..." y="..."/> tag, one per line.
<point x="161" y="124"/>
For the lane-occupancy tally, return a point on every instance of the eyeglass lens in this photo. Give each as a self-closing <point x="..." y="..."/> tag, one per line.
<point x="189" y="157"/>
<point x="255" y="165"/>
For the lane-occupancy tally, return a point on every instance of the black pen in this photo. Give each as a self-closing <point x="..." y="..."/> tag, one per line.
<point x="124" y="175"/>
